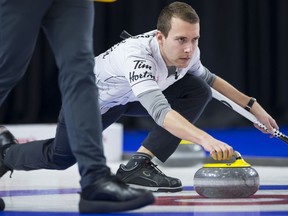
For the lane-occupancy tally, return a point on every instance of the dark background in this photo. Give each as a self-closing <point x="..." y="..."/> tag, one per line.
<point x="243" y="41"/>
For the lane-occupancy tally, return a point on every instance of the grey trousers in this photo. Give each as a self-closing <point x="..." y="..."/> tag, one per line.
<point x="68" y="25"/>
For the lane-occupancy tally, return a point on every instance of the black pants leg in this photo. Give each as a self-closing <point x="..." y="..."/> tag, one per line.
<point x="52" y="153"/>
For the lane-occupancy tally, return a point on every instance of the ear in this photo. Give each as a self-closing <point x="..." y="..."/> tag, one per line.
<point x="160" y="37"/>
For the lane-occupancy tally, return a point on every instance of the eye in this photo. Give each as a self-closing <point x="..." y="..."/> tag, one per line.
<point x="181" y="40"/>
<point x="195" y="39"/>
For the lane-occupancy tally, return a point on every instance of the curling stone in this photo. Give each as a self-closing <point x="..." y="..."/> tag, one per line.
<point x="227" y="180"/>
<point x="187" y="154"/>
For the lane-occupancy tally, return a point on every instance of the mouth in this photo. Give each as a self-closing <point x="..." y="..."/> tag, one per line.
<point x="185" y="60"/>
<point x="186" y="57"/>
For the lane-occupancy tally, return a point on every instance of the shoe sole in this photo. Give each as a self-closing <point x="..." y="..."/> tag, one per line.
<point x="158" y="189"/>
<point x="87" y="206"/>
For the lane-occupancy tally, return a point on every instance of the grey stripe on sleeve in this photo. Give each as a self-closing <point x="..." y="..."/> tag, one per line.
<point x="208" y="76"/>
<point x="156" y="104"/>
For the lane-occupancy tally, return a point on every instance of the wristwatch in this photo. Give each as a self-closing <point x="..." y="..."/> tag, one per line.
<point x="250" y="104"/>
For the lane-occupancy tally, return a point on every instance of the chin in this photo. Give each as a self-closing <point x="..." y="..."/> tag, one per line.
<point x="182" y="65"/>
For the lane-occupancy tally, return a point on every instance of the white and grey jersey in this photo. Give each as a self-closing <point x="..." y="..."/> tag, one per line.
<point x="134" y="70"/>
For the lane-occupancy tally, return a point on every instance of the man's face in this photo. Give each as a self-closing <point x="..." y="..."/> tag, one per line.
<point x="179" y="46"/>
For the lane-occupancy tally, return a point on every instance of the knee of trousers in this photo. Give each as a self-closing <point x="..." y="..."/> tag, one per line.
<point x="190" y="92"/>
<point x="197" y="104"/>
<point x="192" y="102"/>
<point x="206" y="95"/>
<point x="203" y="91"/>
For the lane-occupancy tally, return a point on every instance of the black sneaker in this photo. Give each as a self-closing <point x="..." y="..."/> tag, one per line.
<point x="109" y="194"/>
<point x="147" y="175"/>
<point x="6" y="140"/>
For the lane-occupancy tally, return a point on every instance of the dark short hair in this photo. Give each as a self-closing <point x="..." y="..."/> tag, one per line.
<point x="176" y="9"/>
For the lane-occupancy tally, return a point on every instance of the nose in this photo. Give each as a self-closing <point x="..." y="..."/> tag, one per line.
<point x="188" y="48"/>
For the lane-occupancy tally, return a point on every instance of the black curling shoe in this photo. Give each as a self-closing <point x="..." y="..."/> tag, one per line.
<point x="6" y="140"/>
<point x="109" y="194"/>
<point x="146" y="175"/>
